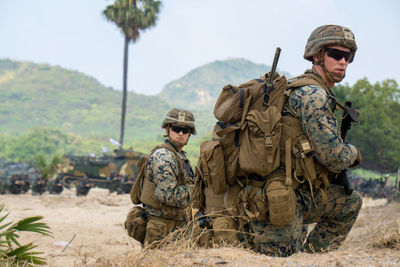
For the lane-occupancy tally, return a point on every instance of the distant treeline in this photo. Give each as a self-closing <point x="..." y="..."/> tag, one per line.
<point x="47" y="109"/>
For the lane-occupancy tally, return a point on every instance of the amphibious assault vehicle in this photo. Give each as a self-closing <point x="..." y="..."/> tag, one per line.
<point x="116" y="172"/>
<point x="16" y="177"/>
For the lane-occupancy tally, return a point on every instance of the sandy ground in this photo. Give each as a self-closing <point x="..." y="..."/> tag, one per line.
<point x="100" y="239"/>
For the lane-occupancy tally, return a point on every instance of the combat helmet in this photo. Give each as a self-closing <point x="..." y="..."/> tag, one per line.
<point x="180" y="117"/>
<point x="329" y="35"/>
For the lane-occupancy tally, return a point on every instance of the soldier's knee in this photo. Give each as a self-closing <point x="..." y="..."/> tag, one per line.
<point x="278" y="249"/>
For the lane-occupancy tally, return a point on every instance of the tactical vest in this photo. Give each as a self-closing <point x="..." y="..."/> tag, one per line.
<point x="143" y="190"/>
<point x="298" y="155"/>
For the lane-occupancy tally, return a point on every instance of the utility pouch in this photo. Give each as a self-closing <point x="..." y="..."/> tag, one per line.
<point x="259" y="150"/>
<point x="136" y="222"/>
<point x="228" y="136"/>
<point x="281" y="202"/>
<point x="213" y="166"/>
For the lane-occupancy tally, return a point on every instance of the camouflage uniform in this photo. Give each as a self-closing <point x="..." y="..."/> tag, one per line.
<point x="172" y="178"/>
<point x="315" y="110"/>
<point x="162" y="170"/>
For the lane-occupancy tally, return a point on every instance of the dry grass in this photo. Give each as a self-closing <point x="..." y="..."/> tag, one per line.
<point x="390" y="238"/>
<point x="374" y="241"/>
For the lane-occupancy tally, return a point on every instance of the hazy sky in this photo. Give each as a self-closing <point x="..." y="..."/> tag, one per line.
<point x="73" y="34"/>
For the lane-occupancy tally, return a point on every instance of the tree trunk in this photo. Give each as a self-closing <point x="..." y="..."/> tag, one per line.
<point x="124" y="91"/>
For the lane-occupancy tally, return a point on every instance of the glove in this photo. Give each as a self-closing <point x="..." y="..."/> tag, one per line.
<point x="357" y="161"/>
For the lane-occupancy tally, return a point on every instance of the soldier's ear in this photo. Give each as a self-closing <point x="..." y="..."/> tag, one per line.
<point x="315" y="60"/>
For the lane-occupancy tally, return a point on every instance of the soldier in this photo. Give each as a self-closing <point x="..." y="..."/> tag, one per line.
<point x="169" y="178"/>
<point x="330" y="48"/>
<point x="39" y="186"/>
<point x="55" y="186"/>
<point x="26" y="183"/>
<point x="15" y="186"/>
<point x="83" y="187"/>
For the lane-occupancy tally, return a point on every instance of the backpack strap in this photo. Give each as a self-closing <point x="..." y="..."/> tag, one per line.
<point x="178" y="157"/>
<point x="309" y="78"/>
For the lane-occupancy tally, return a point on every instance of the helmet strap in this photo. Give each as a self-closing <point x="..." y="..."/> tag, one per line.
<point x="330" y="76"/>
<point x="177" y="144"/>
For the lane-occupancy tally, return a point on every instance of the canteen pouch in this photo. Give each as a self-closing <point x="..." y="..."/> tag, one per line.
<point x="281" y="202"/>
<point x="136" y="222"/>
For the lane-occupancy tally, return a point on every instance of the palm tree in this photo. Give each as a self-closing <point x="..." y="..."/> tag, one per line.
<point x="131" y="17"/>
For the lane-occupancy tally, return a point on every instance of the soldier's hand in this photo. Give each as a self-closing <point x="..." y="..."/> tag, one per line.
<point x="358" y="159"/>
<point x="358" y="113"/>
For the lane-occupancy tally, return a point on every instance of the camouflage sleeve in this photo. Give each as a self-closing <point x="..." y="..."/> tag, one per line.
<point x="164" y="168"/>
<point x="315" y="109"/>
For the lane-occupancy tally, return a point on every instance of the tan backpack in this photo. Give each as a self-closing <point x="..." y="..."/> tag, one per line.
<point x="247" y="139"/>
<point x="245" y="123"/>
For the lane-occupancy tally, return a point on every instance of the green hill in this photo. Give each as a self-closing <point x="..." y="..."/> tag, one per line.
<point x="40" y="95"/>
<point x="34" y="95"/>
<point x="200" y="88"/>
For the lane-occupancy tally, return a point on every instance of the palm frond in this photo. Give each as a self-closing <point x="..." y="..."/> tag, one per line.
<point x="21" y="254"/>
<point x="131" y="19"/>
<point x="29" y="225"/>
<point x="24" y="254"/>
<point x="4" y="225"/>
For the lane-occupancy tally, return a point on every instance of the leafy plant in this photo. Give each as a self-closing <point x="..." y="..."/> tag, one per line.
<point x="46" y="167"/>
<point x="11" y="250"/>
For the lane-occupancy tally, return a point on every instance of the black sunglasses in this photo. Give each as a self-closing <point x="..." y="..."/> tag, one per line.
<point x="339" y="54"/>
<point x="178" y="129"/>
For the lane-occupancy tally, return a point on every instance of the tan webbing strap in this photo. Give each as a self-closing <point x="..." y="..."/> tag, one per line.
<point x="245" y="109"/>
<point x="324" y="196"/>
<point x="308" y="167"/>
<point x="309" y="79"/>
<point x="288" y="161"/>
<point x="307" y="177"/>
